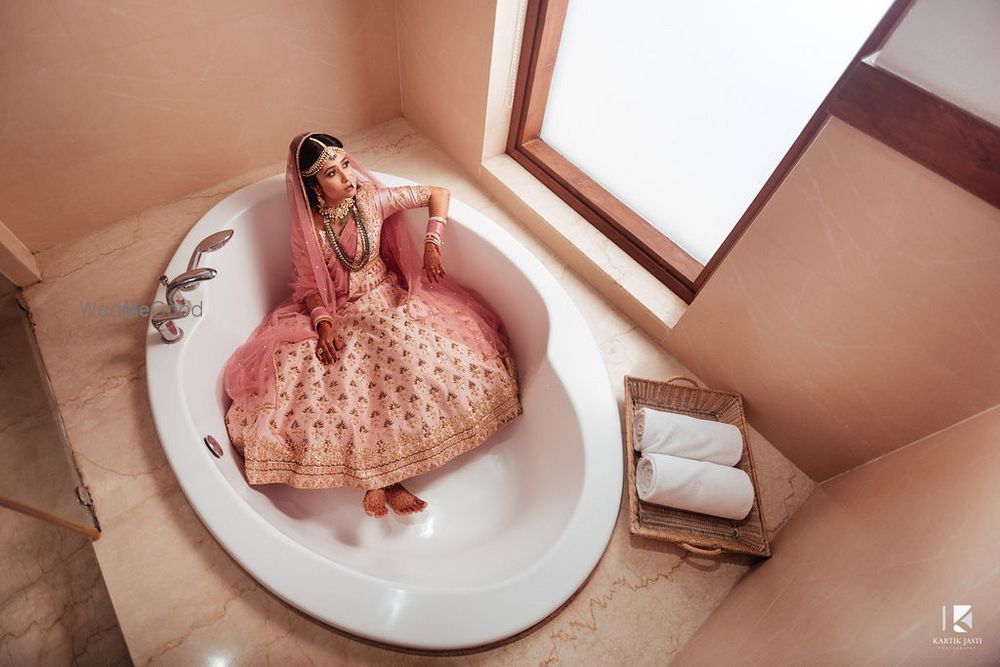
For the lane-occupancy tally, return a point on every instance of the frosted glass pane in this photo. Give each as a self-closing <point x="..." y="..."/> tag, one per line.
<point x="953" y="52"/>
<point x="683" y="110"/>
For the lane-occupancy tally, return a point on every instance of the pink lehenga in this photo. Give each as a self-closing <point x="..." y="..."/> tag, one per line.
<point x="424" y="373"/>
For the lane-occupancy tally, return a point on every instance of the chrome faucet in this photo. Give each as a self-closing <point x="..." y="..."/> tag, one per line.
<point x="176" y="307"/>
<point x="163" y="314"/>
<point x="208" y="244"/>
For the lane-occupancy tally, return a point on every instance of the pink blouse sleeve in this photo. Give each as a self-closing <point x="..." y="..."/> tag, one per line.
<point x="401" y="197"/>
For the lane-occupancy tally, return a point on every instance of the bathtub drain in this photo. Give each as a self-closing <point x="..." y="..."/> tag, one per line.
<point x="213" y="446"/>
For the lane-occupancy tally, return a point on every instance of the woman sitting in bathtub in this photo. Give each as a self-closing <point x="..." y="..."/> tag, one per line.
<point x="378" y="367"/>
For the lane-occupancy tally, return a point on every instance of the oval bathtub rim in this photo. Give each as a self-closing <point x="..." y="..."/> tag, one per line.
<point x="592" y="526"/>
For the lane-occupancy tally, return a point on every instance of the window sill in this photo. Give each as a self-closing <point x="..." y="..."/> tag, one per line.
<point x="609" y="269"/>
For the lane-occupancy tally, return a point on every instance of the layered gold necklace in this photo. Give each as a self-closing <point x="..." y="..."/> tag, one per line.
<point x="348" y="206"/>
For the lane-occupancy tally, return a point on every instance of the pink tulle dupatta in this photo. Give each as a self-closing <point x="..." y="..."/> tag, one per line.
<point x="445" y="306"/>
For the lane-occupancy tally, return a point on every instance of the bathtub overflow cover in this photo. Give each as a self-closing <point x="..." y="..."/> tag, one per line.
<point x="213" y="446"/>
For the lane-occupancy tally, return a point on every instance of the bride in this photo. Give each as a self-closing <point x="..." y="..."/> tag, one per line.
<point x="378" y="367"/>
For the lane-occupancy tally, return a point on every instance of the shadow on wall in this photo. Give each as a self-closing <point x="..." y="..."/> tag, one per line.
<point x="837" y="314"/>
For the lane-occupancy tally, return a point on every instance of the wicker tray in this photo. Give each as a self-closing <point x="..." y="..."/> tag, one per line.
<point x="699" y="533"/>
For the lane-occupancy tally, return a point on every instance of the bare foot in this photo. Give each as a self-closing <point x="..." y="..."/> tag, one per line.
<point x="374" y="502"/>
<point x="402" y="501"/>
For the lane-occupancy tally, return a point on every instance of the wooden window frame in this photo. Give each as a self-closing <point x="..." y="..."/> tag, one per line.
<point x="664" y="259"/>
<point x="943" y="137"/>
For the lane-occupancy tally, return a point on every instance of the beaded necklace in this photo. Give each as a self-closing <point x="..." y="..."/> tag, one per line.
<point x="361" y="258"/>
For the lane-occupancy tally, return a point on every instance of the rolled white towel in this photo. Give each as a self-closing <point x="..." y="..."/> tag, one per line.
<point x="697" y="486"/>
<point x="661" y="432"/>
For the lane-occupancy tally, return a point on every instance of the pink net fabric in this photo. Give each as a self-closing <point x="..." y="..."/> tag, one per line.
<point x="442" y="306"/>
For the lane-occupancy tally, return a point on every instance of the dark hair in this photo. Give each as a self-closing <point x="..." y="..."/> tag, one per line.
<point x="307" y="155"/>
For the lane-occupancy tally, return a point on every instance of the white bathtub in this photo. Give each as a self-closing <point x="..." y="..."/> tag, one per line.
<point x="512" y="528"/>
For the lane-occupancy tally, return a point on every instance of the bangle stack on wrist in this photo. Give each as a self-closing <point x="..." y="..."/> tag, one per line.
<point x="435" y="227"/>
<point x="320" y="314"/>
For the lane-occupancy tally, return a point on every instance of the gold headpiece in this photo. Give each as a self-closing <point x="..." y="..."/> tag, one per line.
<point x="329" y="153"/>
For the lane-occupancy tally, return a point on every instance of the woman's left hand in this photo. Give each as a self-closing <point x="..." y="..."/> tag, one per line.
<point x="432" y="263"/>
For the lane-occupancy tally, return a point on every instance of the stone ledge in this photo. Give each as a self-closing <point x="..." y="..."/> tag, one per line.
<point x="619" y="278"/>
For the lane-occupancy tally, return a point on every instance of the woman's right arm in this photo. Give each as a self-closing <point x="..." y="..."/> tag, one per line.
<point x="327" y="341"/>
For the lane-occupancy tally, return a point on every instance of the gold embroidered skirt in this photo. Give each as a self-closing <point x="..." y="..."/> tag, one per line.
<point x="402" y="399"/>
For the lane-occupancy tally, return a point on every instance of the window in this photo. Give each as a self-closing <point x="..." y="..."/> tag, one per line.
<point x="667" y="125"/>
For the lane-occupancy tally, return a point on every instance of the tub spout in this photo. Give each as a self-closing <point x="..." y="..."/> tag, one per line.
<point x="177" y="307"/>
<point x="186" y="281"/>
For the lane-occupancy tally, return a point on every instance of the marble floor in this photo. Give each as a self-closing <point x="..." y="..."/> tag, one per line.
<point x="182" y="600"/>
<point x="54" y="605"/>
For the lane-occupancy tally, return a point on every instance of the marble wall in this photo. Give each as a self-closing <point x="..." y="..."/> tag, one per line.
<point x="858" y="312"/>
<point x="861" y="572"/>
<point x="116" y="107"/>
<point x="445" y="56"/>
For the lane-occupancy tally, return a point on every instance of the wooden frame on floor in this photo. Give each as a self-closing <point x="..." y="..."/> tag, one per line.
<point x="45" y="515"/>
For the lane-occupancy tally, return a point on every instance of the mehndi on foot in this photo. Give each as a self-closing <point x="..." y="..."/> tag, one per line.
<point x="402" y="501"/>
<point x="374" y="503"/>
